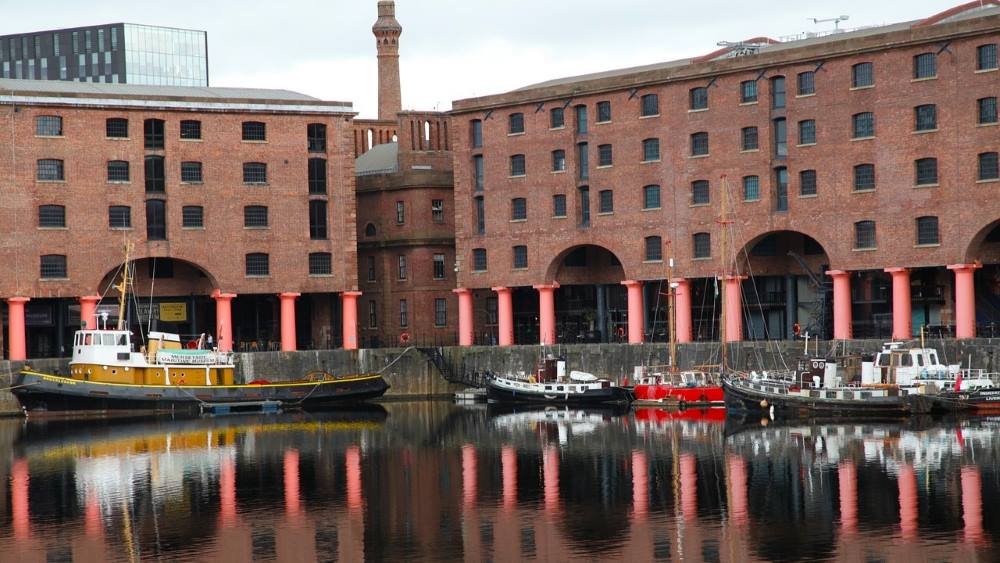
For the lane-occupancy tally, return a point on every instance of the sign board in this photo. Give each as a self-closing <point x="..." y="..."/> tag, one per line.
<point x="173" y="312"/>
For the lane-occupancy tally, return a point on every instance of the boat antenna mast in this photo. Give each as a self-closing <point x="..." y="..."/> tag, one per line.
<point x="122" y="286"/>
<point x="724" y="222"/>
<point x="671" y="306"/>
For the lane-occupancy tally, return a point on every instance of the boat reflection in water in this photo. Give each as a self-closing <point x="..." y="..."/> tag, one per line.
<point x="435" y="481"/>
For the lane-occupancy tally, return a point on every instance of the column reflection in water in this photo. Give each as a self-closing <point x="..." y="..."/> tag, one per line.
<point x="508" y="463"/>
<point x="907" y="502"/>
<point x="640" y="485"/>
<point x="295" y="537"/>
<point x="351" y="530"/>
<point x="469" y="483"/>
<point x="847" y="477"/>
<point x="19" y="502"/>
<point x="235" y="538"/>
<point x="972" y="504"/>
<point x="550" y="475"/>
<point x="689" y="486"/>
<point x="738" y="490"/>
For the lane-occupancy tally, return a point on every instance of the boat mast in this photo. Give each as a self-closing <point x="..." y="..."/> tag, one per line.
<point x="122" y="286"/>
<point x="671" y="312"/>
<point x="724" y="252"/>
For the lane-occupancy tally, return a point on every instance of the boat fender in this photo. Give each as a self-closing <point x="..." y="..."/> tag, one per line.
<point x="404" y="338"/>
<point x="620" y="331"/>
<point x="763" y="403"/>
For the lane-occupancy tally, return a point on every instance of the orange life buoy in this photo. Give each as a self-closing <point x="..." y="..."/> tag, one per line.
<point x="796" y="329"/>
<point x="404" y="338"/>
<point x="620" y="332"/>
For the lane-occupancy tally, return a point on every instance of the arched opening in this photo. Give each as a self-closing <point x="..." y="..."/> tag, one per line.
<point x="427" y="131"/>
<point x="370" y="139"/>
<point x="985" y="249"/>
<point x="370" y="230"/>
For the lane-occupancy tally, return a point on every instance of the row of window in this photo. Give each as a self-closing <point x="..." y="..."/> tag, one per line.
<point x="32" y="46"/>
<point x="437" y="215"/>
<point x="438" y="269"/>
<point x="440" y="313"/>
<point x="190" y="129"/>
<point x="257" y="264"/>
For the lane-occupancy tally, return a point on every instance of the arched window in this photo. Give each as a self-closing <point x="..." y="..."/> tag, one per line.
<point x="370" y="230"/>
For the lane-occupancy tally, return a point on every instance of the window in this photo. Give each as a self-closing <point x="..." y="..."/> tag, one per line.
<point x="926" y="171"/>
<point x="156" y="219"/>
<point x="650" y="150"/>
<point x="778" y="92"/>
<point x="254" y="173"/>
<point x="749" y="141"/>
<point x="927" y="230"/>
<point x="52" y="216"/>
<point x="255" y="216"/>
<point x="925" y="117"/>
<point x="320" y="264"/>
<point x="780" y="137"/>
<point x="807" y="83"/>
<point x="604" y="155"/>
<point x="862" y="75"/>
<point x="699" y="192"/>
<point x="404" y="317"/>
<point x="559" y="205"/>
<point x="316" y="137"/>
<point x="518" y="209"/>
<point x="807" y="132"/>
<point x="153" y="133"/>
<point x="372" y="315"/>
<point x="480" y="215"/>
<point x="605" y="201"/>
<point x="864" y="235"/>
<point x="370" y="230"/>
<point x="986" y="57"/>
<point x="654" y="249"/>
<point x="988" y="166"/>
<point x="751" y="188"/>
<point x="581" y="118"/>
<point x="118" y="171"/>
<point x="258" y="264"/>
<point x="603" y="112"/>
<point x="317" y="175"/>
<point x="116" y="128"/>
<point x="925" y="65"/>
<point x="702" y="243"/>
<point x="254" y="131"/>
<point x="651" y="197"/>
<point x="53" y="266"/>
<point x="558" y="160"/>
<point x="191" y="172"/>
<point x="478" y="259"/>
<point x="401" y="267"/>
<point x="439" y="266"/>
<point x="699" y="144"/>
<point x="476" y="133"/>
<point x="650" y="105"/>
<point x="807" y="182"/>
<point x="48" y="126"/>
<point x="515" y="123"/>
<point x="781" y="189"/>
<point x="193" y="217"/>
<point x="520" y="256"/>
<point x="583" y="161"/>
<point x="155" y="174"/>
<point x="583" y="194"/>
<point x="478" y="171"/>
<point x="120" y="217"/>
<point x="371" y="268"/>
<point x="400" y="212"/>
<point x="987" y="110"/>
<point x="437" y="210"/>
<point x="317" y="219"/>
<point x="698" y="98"/>
<point x="557" y="118"/>
<point x="863" y="125"/>
<point x="864" y="177"/>
<point x="440" y="312"/>
<point x="517" y="165"/>
<point x="748" y="91"/>
<point x="50" y="170"/>
<point x="190" y="129"/>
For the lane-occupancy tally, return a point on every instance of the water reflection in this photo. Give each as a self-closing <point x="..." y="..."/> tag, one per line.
<point x="434" y="481"/>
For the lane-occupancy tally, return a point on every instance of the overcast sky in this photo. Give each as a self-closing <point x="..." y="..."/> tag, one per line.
<point x="453" y="49"/>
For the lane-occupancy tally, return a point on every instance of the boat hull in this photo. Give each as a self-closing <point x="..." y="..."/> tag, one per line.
<point x="742" y="397"/>
<point x="605" y="395"/>
<point x="701" y="395"/>
<point x="43" y="394"/>
<point x="984" y="401"/>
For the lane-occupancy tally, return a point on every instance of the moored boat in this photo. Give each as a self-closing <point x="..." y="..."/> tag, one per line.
<point x="685" y="388"/>
<point x="552" y="385"/>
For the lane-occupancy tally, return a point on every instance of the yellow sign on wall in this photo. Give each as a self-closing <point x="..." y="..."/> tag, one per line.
<point x="173" y="312"/>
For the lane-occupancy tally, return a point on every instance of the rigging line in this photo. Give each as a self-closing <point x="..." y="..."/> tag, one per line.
<point x="152" y="285"/>
<point x="13" y="183"/>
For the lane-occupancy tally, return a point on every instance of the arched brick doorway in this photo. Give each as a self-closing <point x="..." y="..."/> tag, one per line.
<point x="984" y="250"/>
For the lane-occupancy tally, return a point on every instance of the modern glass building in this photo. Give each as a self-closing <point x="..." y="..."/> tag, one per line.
<point x="113" y="53"/>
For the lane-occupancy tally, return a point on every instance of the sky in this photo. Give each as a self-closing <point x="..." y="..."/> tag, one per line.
<point x="453" y="49"/>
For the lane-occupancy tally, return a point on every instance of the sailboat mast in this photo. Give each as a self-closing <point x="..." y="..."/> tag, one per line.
<point x="671" y="313"/>
<point x="122" y="287"/>
<point x="724" y="255"/>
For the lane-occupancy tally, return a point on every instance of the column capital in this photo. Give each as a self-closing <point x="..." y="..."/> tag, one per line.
<point x="553" y="285"/>
<point x="837" y="273"/>
<point x="218" y="295"/>
<point x="89" y="298"/>
<point x="289" y="295"/>
<point x="963" y="267"/>
<point x="351" y="293"/>
<point x="896" y="270"/>
<point x="461" y="291"/>
<point x="631" y="283"/>
<point x="14" y="300"/>
<point x="734" y="278"/>
<point x="501" y="289"/>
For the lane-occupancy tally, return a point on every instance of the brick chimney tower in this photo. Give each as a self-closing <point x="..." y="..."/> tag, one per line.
<point x="387" y="31"/>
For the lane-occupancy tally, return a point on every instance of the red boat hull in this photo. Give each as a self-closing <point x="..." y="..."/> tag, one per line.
<point x="700" y="395"/>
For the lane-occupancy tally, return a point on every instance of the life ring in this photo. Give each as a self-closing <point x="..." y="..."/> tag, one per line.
<point x="404" y="338"/>
<point x="796" y="329"/>
<point x="620" y="332"/>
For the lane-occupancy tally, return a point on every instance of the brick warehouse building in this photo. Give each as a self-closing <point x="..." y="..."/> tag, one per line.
<point x="861" y="188"/>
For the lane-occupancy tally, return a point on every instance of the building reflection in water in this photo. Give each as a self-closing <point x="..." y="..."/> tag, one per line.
<point x="439" y="482"/>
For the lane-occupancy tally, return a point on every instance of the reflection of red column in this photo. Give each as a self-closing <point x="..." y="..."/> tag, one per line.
<point x="227" y="491"/>
<point x="469" y="477"/>
<point x="92" y="525"/>
<point x="19" y="481"/>
<point x="15" y="331"/>
<point x="349" y="318"/>
<point x="352" y="463"/>
<point x="734" y="308"/>
<point x="293" y="506"/>
<point x="972" y="504"/>
<point x="902" y="316"/>
<point x="682" y="310"/>
<point x="738" y="487"/>
<point x="88" y="311"/>
<point x="547" y="313"/>
<point x="965" y="299"/>
<point x="908" y="502"/>
<point x="689" y="486"/>
<point x="508" y="463"/>
<point x="465" y="317"/>
<point x="224" y="319"/>
<point x="550" y="477"/>
<point x="288" y="340"/>
<point x="505" y="316"/>
<point x="847" y="475"/>
<point x="640" y="484"/>
<point x="841" y="304"/>
<point x="636" y="320"/>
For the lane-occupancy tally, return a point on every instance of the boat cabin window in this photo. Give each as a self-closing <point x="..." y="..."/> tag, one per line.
<point x="883" y="360"/>
<point x="920" y="360"/>
<point x="86" y="339"/>
<point x="907" y="360"/>
<point x="122" y="341"/>
<point x="934" y="360"/>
